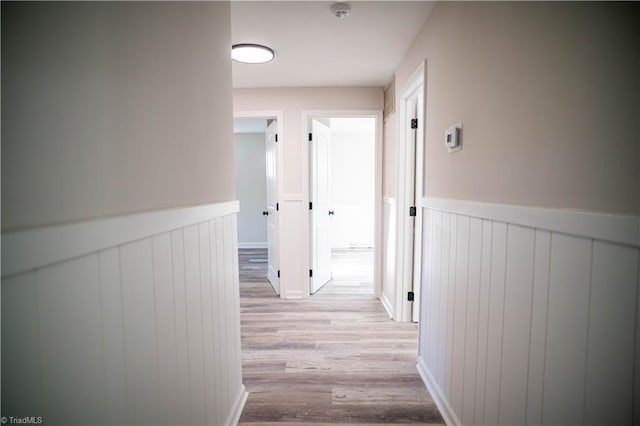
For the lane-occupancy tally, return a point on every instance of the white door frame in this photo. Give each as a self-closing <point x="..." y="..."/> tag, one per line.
<point x="276" y="115"/>
<point x="408" y="245"/>
<point x="307" y="115"/>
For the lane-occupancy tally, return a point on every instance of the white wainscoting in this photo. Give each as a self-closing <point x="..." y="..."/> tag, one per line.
<point x="525" y="324"/>
<point x="141" y="326"/>
<point x="389" y="226"/>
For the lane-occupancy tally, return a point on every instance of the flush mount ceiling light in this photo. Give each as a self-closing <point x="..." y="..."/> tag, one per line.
<point x="249" y="53"/>
<point x="341" y="10"/>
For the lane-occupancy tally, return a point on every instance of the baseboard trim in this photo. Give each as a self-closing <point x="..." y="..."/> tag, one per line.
<point x="255" y="245"/>
<point x="294" y="295"/>
<point x="33" y="248"/>
<point x="387" y="305"/>
<point x="619" y="229"/>
<point x="446" y="411"/>
<point x="238" y="407"/>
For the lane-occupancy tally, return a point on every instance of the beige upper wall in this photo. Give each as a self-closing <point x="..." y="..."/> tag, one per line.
<point x="114" y="108"/>
<point x="292" y="102"/>
<point x="549" y="98"/>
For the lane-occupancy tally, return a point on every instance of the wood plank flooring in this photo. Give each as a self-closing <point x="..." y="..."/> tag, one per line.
<point x="326" y="360"/>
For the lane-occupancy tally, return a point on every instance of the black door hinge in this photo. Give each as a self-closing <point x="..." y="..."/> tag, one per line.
<point x="412" y="211"/>
<point x="414" y="123"/>
<point x="310" y="273"/>
<point x="276" y="137"/>
<point x="278" y="273"/>
<point x="278" y="207"/>
<point x="410" y="296"/>
<point x="310" y="137"/>
<point x="310" y="205"/>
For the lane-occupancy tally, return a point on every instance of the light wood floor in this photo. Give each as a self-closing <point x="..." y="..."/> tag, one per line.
<point x="334" y="358"/>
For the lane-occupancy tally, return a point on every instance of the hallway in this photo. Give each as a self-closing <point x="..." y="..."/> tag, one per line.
<point x="327" y="359"/>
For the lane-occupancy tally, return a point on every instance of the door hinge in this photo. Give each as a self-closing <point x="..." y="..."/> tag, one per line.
<point x="410" y="296"/>
<point x="278" y="273"/>
<point x="412" y="211"/>
<point x="414" y="123"/>
<point x="276" y="137"/>
<point x="277" y="207"/>
<point x="310" y="205"/>
<point x="310" y="273"/>
<point x="310" y="137"/>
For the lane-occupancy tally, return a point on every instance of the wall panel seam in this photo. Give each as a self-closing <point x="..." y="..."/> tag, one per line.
<point x="533" y="286"/>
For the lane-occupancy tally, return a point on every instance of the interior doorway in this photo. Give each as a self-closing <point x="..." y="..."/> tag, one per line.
<point x="257" y="166"/>
<point x="343" y="204"/>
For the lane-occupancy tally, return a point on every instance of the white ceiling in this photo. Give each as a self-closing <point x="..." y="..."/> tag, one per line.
<point x="314" y="48"/>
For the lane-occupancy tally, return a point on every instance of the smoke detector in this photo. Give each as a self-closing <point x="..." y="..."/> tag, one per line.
<point x="341" y="10"/>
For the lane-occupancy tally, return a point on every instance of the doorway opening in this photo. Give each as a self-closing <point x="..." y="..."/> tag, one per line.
<point x="257" y="188"/>
<point x="343" y="204"/>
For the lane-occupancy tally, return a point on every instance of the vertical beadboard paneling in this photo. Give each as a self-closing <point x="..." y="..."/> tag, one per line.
<point x="235" y="305"/>
<point x="434" y="306"/>
<point x="182" y="332"/>
<point x="609" y="380"/>
<point x="112" y="337"/>
<point x="165" y="328"/>
<point x="70" y="339"/>
<point x="216" y="264"/>
<point x="537" y="343"/>
<point x="140" y="332"/>
<point x="451" y="279"/>
<point x="496" y="317"/>
<point x="443" y="325"/>
<point x="22" y="385"/>
<point x="229" y="284"/>
<point x="146" y="332"/>
<point x="207" y="329"/>
<point x="564" y="378"/>
<point x="517" y="317"/>
<point x="471" y="329"/>
<point x="483" y="322"/>
<point x="526" y="325"/>
<point x="460" y="312"/>
<point x="224" y="358"/>
<point x="424" y="342"/>
<point x="429" y="297"/>
<point x="194" y="324"/>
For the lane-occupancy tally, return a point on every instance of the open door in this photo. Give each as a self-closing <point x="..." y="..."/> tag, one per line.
<point x="320" y="174"/>
<point x="416" y="113"/>
<point x="272" y="207"/>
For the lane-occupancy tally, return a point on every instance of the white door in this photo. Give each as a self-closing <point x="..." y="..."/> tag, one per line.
<point x="272" y="208"/>
<point x="320" y="167"/>
<point x="416" y="109"/>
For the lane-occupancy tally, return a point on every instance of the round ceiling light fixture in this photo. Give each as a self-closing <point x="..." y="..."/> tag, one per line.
<point x="341" y="10"/>
<point x="250" y="53"/>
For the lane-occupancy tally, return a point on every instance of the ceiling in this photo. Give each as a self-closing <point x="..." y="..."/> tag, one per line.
<point x="313" y="48"/>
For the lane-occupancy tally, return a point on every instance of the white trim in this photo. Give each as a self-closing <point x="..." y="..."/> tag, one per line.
<point x="387" y="305"/>
<point x="307" y="115"/>
<point x="253" y="245"/>
<point x="294" y="294"/>
<point x="445" y="409"/>
<point x="295" y="197"/>
<point x="238" y="406"/>
<point x="620" y="229"/>
<point x="37" y="247"/>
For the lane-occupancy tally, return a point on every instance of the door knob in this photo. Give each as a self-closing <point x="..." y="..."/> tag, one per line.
<point x="265" y="213"/>
<point x="331" y="212"/>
